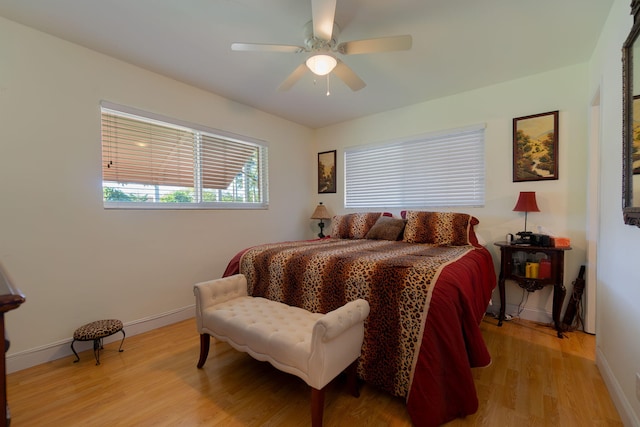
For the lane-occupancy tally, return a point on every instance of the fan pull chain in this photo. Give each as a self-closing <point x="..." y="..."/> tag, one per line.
<point x="328" y="90"/>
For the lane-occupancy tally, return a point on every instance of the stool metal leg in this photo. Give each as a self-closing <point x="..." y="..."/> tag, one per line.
<point x="97" y="345"/>
<point x="120" y="350"/>
<point x="74" y="352"/>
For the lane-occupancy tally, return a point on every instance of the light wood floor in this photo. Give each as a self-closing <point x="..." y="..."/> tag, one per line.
<point x="535" y="379"/>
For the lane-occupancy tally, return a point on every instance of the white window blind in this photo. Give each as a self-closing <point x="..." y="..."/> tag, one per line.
<point x="443" y="169"/>
<point x="154" y="163"/>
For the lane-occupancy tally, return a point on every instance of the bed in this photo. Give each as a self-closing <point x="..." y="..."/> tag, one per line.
<point x="428" y="283"/>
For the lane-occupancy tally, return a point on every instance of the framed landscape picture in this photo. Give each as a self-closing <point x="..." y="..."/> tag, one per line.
<point x="327" y="172"/>
<point x="535" y="147"/>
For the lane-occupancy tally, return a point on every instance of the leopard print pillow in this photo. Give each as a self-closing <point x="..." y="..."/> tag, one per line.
<point x="438" y="228"/>
<point x="353" y="226"/>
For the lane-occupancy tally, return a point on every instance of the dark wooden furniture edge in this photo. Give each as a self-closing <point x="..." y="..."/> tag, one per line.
<point x="10" y="299"/>
<point x="531" y="285"/>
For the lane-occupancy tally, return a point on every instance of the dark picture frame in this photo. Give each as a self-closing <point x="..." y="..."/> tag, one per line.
<point x="535" y="147"/>
<point x="327" y="172"/>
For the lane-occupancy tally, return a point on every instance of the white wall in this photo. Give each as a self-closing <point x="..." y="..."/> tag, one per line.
<point x="77" y="262"/>
<point x="618" y="316"/>
<point x="562" y="202"/>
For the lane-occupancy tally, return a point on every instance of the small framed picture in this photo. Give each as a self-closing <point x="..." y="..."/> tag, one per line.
<point x="535" y="147"/>
<point x="327" y="172"/>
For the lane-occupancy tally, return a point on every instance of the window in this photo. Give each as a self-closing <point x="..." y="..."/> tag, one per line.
<point x="154" y="162"/>
<point x="436" y="170"/>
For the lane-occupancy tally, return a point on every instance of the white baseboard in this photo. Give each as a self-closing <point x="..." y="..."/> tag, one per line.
<point x="534" y="315"/>
<point x="627" y="415"/>
<point x="36" y="356"/>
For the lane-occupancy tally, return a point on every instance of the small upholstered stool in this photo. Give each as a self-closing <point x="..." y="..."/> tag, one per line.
<point x="96" y="331"/>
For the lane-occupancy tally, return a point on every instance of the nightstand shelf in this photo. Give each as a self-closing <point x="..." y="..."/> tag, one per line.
<point x="513" y="259"/>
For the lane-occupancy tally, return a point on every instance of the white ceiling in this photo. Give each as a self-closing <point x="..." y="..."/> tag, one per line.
<point x="458" y="45"/>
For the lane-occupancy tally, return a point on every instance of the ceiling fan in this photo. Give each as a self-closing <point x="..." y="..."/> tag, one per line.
<point x="321" y="35"/>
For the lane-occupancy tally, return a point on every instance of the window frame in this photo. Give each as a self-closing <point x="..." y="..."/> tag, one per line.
<point x="142" y="116"/>
<point x="365" y="164"/>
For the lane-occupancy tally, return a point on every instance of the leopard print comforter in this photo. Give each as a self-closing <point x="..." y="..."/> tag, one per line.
<point x="396" y="278"/>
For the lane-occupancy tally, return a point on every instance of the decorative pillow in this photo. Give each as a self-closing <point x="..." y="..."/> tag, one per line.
<point x="438" y="228"/>
<point x="473" y="239"/>
<point x="353" y="226"/>
<point x="386" y="228"/>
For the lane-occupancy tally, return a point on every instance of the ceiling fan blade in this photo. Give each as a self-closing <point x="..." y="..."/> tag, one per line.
<point x="323" y="13"/>
<point x="348" y="76"/>
<point x="293" y="77"/>
<point x="260" y="47"/>
<point x="382" y="44"/>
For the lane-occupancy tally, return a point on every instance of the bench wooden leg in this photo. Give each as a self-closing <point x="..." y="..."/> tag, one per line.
<point x="317" y="407"/>
<point x="352" y="379"/>
<point x="204" y="349"/>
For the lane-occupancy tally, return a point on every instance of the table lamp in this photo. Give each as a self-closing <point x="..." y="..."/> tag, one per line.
<point x="526" y="203"/>
<point x="321" y="213"/>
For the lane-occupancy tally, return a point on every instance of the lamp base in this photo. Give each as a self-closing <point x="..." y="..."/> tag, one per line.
<point x="321" y="234"/>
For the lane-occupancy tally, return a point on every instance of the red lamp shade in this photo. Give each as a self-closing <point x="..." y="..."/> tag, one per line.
<point x="527" y="202"/>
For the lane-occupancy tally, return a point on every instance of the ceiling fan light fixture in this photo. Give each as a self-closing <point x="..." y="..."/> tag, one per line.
<point x="321" y="64"/>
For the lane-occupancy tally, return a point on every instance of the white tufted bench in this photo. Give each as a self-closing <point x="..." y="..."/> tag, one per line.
<point x="312" y="346"/>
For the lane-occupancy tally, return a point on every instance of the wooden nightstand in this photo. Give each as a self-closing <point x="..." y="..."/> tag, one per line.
<point x="513" y="260"/>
